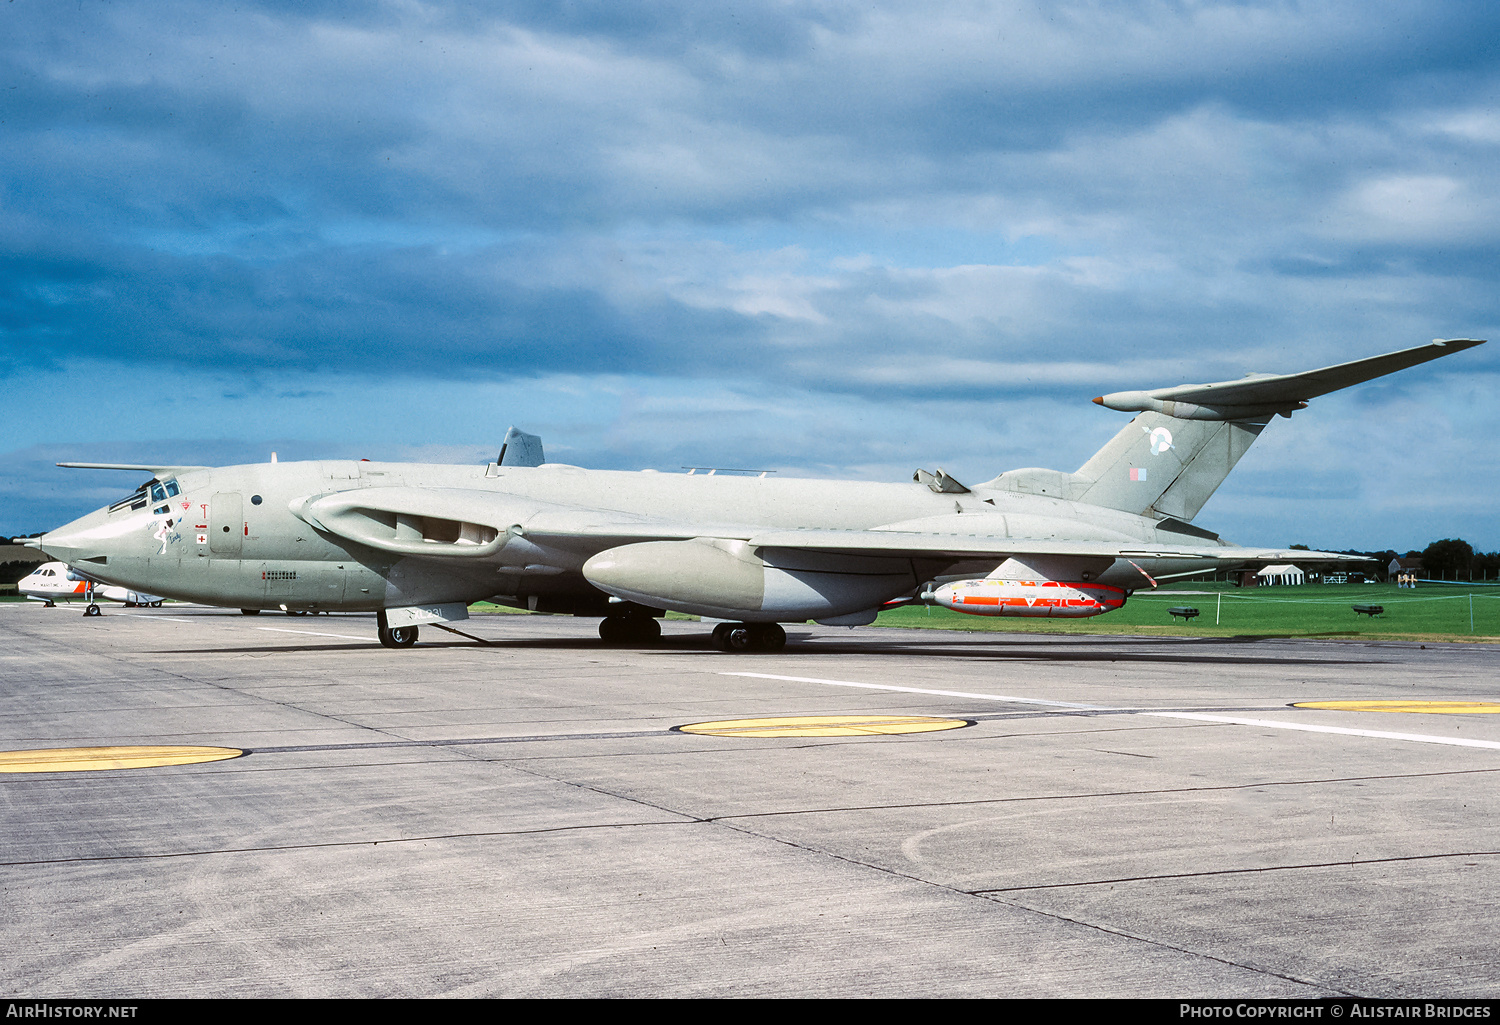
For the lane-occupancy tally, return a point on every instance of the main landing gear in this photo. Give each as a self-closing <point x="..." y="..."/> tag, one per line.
<point x="641" y="630"/>
<point x="749" y="637"/>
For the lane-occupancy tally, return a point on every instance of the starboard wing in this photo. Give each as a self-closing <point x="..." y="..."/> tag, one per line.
<point x="911" y="544"/>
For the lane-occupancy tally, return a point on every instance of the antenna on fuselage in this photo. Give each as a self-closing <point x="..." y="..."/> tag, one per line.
<point x="273" y="457"/>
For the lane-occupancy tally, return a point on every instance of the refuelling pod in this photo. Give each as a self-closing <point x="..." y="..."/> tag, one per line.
<point x="726" y="579"/>
<point x="1025" y="587"/>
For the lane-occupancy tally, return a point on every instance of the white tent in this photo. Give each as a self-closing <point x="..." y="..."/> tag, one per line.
<point x="1283" y="574"/>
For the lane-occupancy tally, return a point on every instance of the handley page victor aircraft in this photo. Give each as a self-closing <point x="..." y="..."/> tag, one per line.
<point x="416" y="543"/>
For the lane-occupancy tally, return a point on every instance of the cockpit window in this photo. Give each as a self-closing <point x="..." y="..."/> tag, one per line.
<point x="154" y="490"/>
<point x="138" y="500"/>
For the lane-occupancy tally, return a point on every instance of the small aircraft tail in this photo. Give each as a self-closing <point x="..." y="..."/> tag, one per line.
<point x="520" y="449"/>
<point x="1171" y="458"/>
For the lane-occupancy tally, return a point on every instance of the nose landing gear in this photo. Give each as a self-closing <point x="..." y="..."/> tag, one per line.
<point x="749" y="637"/>
<point x="394" y="636"/>
<point x="398" y="636"/>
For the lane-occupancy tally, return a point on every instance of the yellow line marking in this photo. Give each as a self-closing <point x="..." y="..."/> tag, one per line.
<point x="82" y="759"/>
<point x="824" y="726"/>
<point x="1441" y="707"/>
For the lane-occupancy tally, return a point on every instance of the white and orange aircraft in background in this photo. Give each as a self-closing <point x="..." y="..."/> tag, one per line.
<point x="53" y="582"/>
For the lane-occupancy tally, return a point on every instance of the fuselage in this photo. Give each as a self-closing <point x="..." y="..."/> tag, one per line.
<point x="239" y="536"/>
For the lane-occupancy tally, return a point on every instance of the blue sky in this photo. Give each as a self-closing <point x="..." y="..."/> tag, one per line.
<point x="833" y="239"/>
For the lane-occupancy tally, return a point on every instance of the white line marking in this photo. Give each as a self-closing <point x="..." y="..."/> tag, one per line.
<point x="310" y="633"/>
<point x="273" y="629"/>
<point x="918" y="690"/>
<point x="1420" y="738"/>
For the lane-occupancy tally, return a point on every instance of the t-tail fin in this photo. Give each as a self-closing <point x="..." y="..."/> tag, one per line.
<point x="1171" y="458"/>
<point x="1161" y="466"/>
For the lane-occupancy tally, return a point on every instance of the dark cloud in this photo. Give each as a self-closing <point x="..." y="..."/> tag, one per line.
<point x="553" y="115"/>
<point x="403" y="313"/>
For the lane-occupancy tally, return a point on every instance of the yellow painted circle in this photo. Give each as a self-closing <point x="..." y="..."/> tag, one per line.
<point x="1441" y="707"/>
<point x="82" y="759"/>
<point x="825" y="726"/>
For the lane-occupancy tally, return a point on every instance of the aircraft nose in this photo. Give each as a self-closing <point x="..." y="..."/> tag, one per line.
<point x="87" y="537"/>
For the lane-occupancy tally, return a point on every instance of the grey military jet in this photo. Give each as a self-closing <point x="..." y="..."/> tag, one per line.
<point x="417" y="543"/>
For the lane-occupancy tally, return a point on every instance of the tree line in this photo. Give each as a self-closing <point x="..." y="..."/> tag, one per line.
<point x="1449" y="559"/>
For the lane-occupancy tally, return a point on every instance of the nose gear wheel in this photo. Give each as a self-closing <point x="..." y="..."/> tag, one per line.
<point x="398" y="636"/>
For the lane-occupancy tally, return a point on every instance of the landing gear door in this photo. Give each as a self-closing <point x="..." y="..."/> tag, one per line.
<point x="226" y="525"/>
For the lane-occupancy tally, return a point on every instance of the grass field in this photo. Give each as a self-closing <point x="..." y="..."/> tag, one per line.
<point x="1428" y="612"/>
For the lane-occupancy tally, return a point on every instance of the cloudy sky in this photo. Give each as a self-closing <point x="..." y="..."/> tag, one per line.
<point x="828" y="238"/>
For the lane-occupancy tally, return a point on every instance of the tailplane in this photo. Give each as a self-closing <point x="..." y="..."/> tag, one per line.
<point x="1171" y="458"/>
